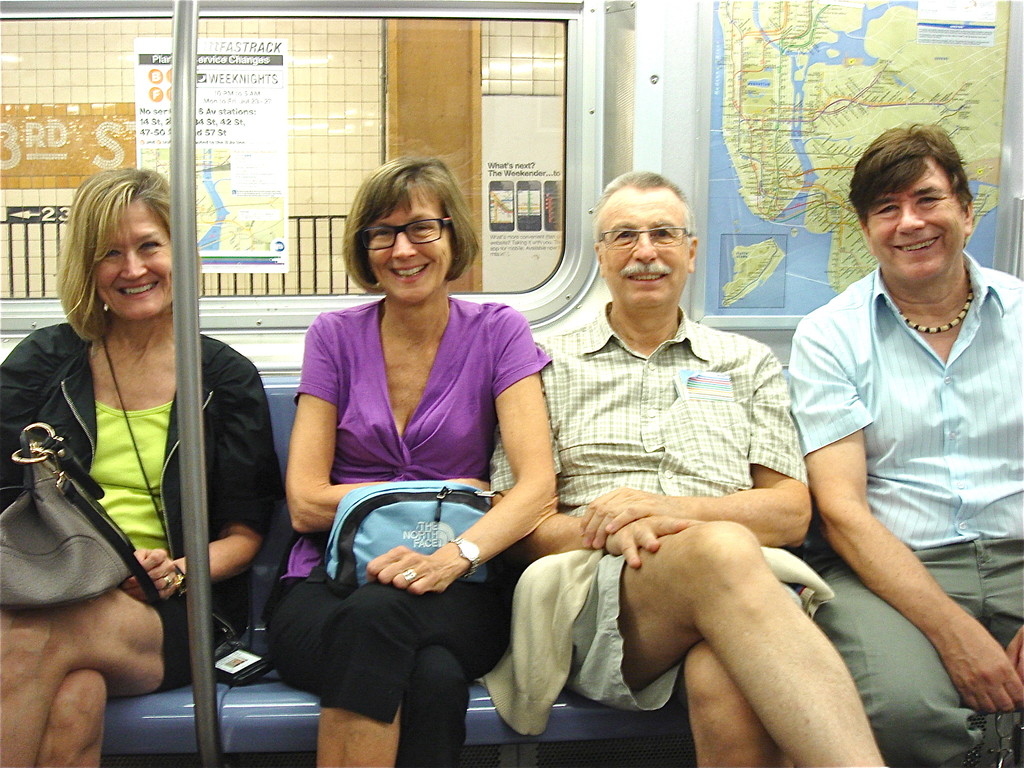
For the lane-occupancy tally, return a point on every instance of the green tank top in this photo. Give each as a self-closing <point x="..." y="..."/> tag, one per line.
<point x="116" y="469"/>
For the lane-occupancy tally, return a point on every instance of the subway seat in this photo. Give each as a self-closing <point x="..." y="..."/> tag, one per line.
<point x="272" y="717"/>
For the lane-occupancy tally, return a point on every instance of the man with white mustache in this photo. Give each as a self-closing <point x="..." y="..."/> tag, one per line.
<point x="907" y="393"/>
<point x="677" y="460"/>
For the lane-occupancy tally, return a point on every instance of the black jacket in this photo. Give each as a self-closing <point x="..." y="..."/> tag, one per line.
<point x="47" y="378"/>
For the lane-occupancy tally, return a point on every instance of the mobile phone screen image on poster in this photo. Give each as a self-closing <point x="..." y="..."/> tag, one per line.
<point x="552" y="206"/>
<point x="501" y="206"/>
<point x="528" y="206"/>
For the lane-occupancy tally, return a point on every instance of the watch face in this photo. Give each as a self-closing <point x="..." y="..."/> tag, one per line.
<point x="469" y="550"/>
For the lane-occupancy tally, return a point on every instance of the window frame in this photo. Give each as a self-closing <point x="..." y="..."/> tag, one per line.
<point x="553" y="299"/>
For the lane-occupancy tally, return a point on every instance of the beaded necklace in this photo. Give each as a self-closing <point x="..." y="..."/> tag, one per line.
<point x="946" y="326"/>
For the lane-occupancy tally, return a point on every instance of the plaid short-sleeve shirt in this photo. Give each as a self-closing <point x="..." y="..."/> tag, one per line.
<point x="688" y="420"/>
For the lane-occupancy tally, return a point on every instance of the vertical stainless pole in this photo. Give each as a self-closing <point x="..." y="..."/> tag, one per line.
<point x="188" y="357"/>
<point x="1016" y="250"/>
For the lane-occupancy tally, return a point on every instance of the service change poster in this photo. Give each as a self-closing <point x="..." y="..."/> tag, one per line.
<point x="241" y="145"/>
<point x="522" y="184"/>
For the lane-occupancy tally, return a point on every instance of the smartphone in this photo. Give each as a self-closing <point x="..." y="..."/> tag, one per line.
<point x="552" y="206"/>
<point x="501" y="206"/>
<point x="528" y="206"/>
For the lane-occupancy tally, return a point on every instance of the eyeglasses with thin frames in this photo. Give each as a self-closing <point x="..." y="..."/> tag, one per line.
<point x="660" y="237"/>
<point x="418" y="232"/>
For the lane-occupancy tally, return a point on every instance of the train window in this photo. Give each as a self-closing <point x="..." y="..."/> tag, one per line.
<point x="292" y="112"/>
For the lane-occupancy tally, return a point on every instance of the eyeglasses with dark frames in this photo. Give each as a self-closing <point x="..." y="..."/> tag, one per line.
<point x="660" y="237"/>
<point x="418" y="232"/>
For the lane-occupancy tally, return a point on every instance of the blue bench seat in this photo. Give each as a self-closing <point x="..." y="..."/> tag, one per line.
<point x="160" y="723"/>
<point x="270" y="717"/>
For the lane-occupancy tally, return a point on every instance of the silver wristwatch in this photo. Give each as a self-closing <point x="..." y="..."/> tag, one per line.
<point x="471" y="552"/>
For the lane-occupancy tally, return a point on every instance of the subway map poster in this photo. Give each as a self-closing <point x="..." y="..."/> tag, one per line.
<point x="799" y="89"/>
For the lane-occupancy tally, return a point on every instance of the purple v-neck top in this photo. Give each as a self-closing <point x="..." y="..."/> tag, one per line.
<point x="484" y="350"/>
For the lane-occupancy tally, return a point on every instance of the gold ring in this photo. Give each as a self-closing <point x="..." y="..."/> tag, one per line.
<point x="168" y="581"/>
<point x="409" y="575"/>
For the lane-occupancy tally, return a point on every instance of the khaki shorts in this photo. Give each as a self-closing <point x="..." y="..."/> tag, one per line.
<point x="597" y="655"/>
<point x="597" y="649"/>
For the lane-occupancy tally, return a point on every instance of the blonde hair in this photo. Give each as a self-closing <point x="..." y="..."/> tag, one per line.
<point x="394" y="184"/>
<point x="98" y="207"/>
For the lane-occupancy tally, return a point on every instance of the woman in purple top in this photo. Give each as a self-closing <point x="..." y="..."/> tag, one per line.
<point x="411" y="387"/>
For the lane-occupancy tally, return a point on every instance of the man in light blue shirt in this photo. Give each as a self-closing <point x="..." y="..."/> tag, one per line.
<point x="907" y="394"/>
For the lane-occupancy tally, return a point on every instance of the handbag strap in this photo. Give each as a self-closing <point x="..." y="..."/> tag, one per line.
<point x="81" y="490"/>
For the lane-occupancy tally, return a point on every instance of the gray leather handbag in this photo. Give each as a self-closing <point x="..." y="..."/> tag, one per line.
<point x="57" y="543"/>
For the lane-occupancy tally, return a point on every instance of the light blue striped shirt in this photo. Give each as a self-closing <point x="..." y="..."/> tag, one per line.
<point x="944" y="441"/>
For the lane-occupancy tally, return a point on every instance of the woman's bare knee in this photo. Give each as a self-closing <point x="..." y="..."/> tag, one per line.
<point x="115" y="635"/>
<point x="23" y="648"/>
<point x="74" y="730"/>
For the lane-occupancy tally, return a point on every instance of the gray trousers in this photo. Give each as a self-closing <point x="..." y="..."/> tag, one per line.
<point x="913" y="706"/>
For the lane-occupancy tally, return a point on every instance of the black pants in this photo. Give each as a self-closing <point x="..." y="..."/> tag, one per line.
<point x="381" y="648"/>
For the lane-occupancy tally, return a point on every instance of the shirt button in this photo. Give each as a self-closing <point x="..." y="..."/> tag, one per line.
<point x="653" y="413"/>
<point x="961" y="485"/>
<point x="669" y="475"/>
<point x="948" y="380"/>
<point x="961" y="526"/>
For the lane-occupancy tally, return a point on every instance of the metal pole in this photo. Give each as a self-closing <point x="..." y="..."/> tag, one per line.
<point x="188" y="365"/>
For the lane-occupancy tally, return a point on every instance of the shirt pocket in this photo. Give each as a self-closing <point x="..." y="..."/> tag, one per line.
<point x="710" y="439"/>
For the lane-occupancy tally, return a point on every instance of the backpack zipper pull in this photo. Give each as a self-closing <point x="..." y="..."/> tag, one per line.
<point x="441" y="496"/>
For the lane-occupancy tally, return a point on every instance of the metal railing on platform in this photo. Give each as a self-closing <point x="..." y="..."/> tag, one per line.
<point x="31" y="248"/>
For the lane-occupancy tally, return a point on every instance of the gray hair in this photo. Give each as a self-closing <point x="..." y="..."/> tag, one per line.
<point x="642" y="180"/>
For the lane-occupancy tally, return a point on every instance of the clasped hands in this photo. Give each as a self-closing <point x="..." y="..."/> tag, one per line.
<point x="627" y="521"/>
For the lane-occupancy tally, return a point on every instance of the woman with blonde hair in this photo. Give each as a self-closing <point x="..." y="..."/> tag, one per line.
<point x="105" y="381"/>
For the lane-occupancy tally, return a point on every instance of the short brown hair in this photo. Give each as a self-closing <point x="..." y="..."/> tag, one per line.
<point x="899" y="157"/>
<point x="97" y="209"/>
<point x="392" y="185"/>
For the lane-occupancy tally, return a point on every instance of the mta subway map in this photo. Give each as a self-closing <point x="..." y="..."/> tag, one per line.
<point x="240" y="217"/>
<point x="799" y="90"/>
